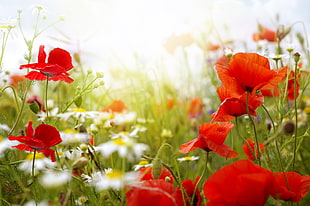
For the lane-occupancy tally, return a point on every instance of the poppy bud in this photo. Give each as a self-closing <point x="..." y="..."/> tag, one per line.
<point x="288" y="127"/>
<point x="296" y="57"/>
<point x="79" y="163"/>
<point x="157" y="167"/>
<point x="34" y="106"/>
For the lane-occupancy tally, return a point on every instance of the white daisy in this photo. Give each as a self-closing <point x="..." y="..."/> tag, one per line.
<point x="126" y="147"/>
<point x="114" y="179"/>
<point x="188" y="158"/>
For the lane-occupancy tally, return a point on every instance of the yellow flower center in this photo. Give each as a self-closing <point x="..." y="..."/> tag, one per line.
<point x="114" y="174"/>
<point x="79" y="110"/>
<point x="68" y="131"/>
<point x="38" y="156"/>
<point x="188" y="158"/>
<point x="119" y="141"/>
<point x="144" y="162"/>
<point x="1" y="138"/>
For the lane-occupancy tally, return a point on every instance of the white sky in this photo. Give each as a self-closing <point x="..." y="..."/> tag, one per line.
<point x="103" y="29"/>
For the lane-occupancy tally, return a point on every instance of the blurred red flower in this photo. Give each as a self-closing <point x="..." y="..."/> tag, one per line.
<point x="291" y="187"/>
<point x="145" y="173"/>
<point x="151" y="193"/>
<point x="58" y="63"/>
<point x="16" y="80"/>
<point x="249" y="72"/>
<point x="189" y="188"/>
<point x="211" y="138"/>
<point x="117" y="106"/>
<point x="195" y="107"/>
<point x="240" y="183"/>
<point x="265" y="34"/>
<point x="40" y="139"/>
<point x="250" y="149"/>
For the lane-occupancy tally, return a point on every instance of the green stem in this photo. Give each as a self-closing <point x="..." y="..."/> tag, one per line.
<point x="296" y="114"/>
<point x="46" y="90"/>
<point x="14" y="93"/>
<point x="204" y="172"/>
<point x="254" y="128"/>
<point x="33" y="161"/>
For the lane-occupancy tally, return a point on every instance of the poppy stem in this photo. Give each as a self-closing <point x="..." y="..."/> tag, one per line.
<point x="46" y="88"/>
<point x="204" y="172"/>
<point x="33" y="161"/>
<point x="254" y="128"/>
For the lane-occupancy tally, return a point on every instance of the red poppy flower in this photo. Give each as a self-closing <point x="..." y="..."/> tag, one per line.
<point x="211" y="138"/>
<point x="189" y="188"/>
<point x="265" y="34"/>
<point x="58" y="63"/>
<point x="234" y="105"/>
<point x="40" y="139"/>
<point x="250" y="72"/>
<point x="151" y="193"/>
<point x="16" y="80"/>
<point x="290" y="86"/>
<point x="250" y="149"/>
<point x="240" y="183"/>
<point x="145" y="173"/>
<point x="298" y="186"/>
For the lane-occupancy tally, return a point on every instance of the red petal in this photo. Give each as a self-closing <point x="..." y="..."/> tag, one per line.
<point x="48" y="135"/>
<point x="30" y="131"/>
<point x="62" y="77"/>
<point x="41" y="55"/>
<point x="31" y="142"/>
<point x="194" y="144"/>
<point x="60" y="57"/>
<point x="151" y="193"/>
<point x="34" y="75"/>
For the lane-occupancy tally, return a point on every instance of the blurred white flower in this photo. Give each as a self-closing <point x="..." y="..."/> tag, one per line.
<point x="34" y="203"/>
<point x="51" y="114"/>
<point x="82" y="200"/>
<point x="40" y="163"/>
<point x="6" y="144"/>
<point x="53" y="179"/>
<point x="188" y="158"/>
<point x="79" y="114"/>
<point x="70" y="136"/>
<point x="110" y="178"/>
<point x="141" y="164"/>
<point x="124" y="118"/>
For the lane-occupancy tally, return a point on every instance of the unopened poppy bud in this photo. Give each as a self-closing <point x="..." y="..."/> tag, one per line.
<point x="79" y="163"/>
<point x="77" y="57"/>
<point x="34" y="107"/>
<point x="296" y="57"/>
<point x="288" y="127"/>
<point x="157" y="167"/>
<point x="166" y="133"/>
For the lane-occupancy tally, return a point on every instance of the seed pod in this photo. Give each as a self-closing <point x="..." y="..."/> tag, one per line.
<point x="157" y="167"/>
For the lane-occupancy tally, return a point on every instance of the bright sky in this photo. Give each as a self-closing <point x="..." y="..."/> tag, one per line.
<point x="102" y="29"/>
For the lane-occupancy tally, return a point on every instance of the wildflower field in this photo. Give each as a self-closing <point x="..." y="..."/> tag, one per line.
<point x="235" y="133"/>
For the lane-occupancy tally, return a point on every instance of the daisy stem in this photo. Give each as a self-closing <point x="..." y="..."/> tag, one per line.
<point x="295" y="111"/>
<point x="33" y="161"/>
<point x="254" y="128"/>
